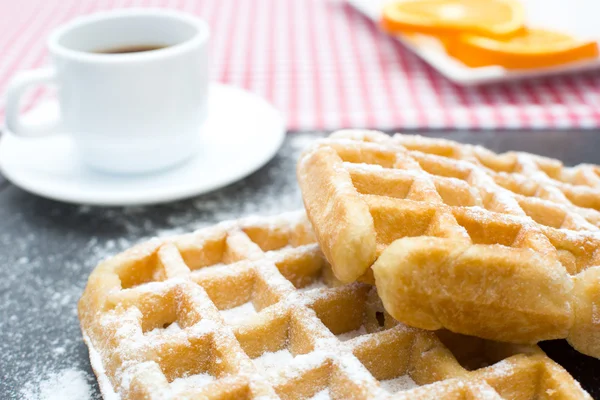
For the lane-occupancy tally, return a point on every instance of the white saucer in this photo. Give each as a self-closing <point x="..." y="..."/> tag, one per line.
<point x="242" y="133"/>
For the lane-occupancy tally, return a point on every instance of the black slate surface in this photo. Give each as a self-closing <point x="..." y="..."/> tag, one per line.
<point x="47" y="250"/>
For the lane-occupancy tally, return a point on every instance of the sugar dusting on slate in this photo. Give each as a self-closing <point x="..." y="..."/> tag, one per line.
<point x="68" y="384"/>
<point x="52" y="278"/>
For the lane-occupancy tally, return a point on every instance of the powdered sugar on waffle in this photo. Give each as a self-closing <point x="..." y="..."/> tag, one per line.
<point x="283" y="358"/>
<point x="108" y="392"/>
<point x="503" y="368"/>
<point x="400" y="383"/>
<point x="352" y="334"/>
<point x="190" y="382"/>
<point x="172" y="328"/>
<point x="322" y="395"/>
<point x="271" y="363"/>
<point x="239" y="314"/>
<point x="303" y="362"/>
<point x="317" y="284"/>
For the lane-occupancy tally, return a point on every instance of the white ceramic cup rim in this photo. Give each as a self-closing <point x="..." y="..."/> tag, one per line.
<point x="201" y="35"/>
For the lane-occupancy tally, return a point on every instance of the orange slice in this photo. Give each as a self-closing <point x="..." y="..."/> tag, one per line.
<point x="496" y="18"/>
<point x="532" y="48"/>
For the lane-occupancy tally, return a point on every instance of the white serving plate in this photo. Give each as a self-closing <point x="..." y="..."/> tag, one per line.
<point x="576" y="17"/>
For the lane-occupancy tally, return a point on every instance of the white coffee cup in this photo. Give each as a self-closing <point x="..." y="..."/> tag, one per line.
<point x="131" y="112"/>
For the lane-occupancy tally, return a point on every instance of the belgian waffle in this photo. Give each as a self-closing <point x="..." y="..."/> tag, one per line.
<point x="250" y="309"/>
<point x="500" y="246"/>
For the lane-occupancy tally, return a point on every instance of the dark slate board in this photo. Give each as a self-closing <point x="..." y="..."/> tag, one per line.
<point x="47" y="250"/>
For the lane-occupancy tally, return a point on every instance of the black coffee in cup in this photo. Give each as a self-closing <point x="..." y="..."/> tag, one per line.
<point x="131" y="49"/>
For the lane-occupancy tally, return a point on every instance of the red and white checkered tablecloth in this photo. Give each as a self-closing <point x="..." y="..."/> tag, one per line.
<point x="324" y="65"/>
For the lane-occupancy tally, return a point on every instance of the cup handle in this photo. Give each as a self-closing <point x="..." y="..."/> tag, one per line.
<point x="16" y="87"/>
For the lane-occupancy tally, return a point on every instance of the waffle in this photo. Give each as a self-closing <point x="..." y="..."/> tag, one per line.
<point x="250" y="309"/>
<point x="499" y="246"/>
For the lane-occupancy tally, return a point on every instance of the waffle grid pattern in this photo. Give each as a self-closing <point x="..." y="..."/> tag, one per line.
<point x="155" y="317"/>
<point x="513" y="235"/>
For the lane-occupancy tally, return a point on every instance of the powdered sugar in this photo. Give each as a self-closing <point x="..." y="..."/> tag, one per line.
<point x="400" y="383"/>
<point x="191" y="382"/>
<point x="108" y="392"/>
<point x="322" y="395"/>
<point x="172" y="328"/>
<point x="503" y="368"/>
<point x="239" y="314"/>
<point x="304" y="362"/>
<point x="50" y="251"/>
<point x="317" y="284"/>
<point x="355" y="370"/>
<point x="272" y="362"/>
<point x="67" y="384"/>
<point x="352" y="334"/>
